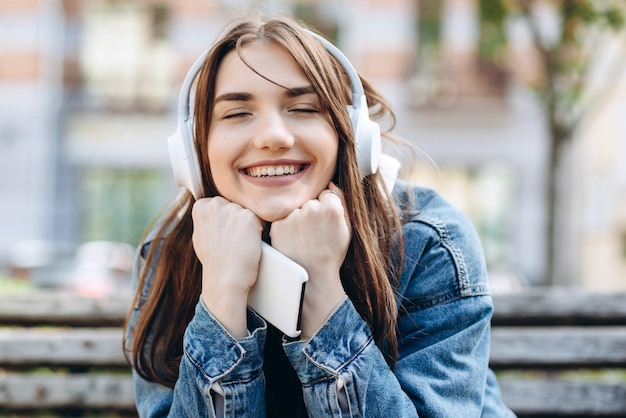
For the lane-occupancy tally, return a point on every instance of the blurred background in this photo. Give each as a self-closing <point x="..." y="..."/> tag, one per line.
<point x="517" y="111"/>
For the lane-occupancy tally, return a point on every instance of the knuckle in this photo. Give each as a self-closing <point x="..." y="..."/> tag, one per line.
<point x="197" y="209"/>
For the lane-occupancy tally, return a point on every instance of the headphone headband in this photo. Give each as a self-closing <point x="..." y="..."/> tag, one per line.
<point x="185" y="163"/>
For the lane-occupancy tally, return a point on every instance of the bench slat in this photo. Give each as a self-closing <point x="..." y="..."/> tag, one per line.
<point x="558" y="346"/>
<point x="61" y="308"/>
<point x="510" y="347"/>
<point x="535" y="329"/>
<point x="540" y="306"/>
<point x="549" y="396"/>
<point x="552" y="397"/>
<point x="63" y="346"/>
<point x="531" y="306"/>
<point x="19" y="391"/>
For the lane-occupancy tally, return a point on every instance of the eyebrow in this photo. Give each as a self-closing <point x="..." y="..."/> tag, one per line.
<point x="246" y="97"/>
<point x="300" y="91"/>
<point x="234" y="97"/>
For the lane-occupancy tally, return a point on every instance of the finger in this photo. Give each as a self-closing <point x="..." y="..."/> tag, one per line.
<point x="333" y="189"/>
<point x="331" y="198"/>
<point x="328" y="191"/>
<point x="336" y="191"/>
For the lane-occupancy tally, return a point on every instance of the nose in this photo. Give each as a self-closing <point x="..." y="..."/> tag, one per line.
<point x="273" y="133"/>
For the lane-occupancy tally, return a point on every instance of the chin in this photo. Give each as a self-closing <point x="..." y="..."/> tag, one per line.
<point x="272" y="214"/>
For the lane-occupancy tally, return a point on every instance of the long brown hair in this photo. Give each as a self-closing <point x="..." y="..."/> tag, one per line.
<point x="154" y="344"/>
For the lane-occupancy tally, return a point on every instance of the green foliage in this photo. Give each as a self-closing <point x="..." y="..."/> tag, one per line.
<point x="565" y="62"/>
<point x="492" y="16"/>
<point x="571" y="57"/>
<point x="429" y="30"/>
<point x="494" y="11"/>
<point x="615" y="18"/>
<point x="603" y="13"/>
<point x="583" y="10"/>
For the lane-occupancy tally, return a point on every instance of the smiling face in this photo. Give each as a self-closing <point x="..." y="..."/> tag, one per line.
<point x="271" y="144"/>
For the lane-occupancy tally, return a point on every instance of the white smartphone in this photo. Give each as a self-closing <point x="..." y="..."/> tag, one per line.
<point x="278" y="292"/>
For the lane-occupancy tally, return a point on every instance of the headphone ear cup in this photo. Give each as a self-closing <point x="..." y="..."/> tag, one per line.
<point x="183" y="159"/>
<point x="367" y="139"/>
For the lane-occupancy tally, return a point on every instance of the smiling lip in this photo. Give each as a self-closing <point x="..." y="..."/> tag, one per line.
<point x="275" y="172"/>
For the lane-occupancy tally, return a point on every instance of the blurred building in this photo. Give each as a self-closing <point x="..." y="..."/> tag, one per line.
<point x="598" y="179"/>
<point x="31" y="91"/>
<point x="88" y="93"/>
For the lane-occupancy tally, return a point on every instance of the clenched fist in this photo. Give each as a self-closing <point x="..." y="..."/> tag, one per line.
<point x="317" y="237"/>
<point x="227" y="241"/>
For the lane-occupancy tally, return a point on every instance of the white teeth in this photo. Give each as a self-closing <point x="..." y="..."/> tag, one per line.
<point x="271" y="171"/>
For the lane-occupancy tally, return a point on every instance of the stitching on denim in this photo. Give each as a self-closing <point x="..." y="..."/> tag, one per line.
<point x="345" y="363"/>
<point x="197" y="366"/>
<point x="251" y="378"/>
<point x="368" y="342"/>
<point x="443" y="298"/>
<point x="319" y="380"/>
<point x="222" y="373"/>
<point x="240" y="351"/>
<point x="447" y="243"/>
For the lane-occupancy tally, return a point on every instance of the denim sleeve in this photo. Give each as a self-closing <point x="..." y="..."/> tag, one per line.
<point x="443" y="363"/>
<point x="211" y="357"/>
<point x="443" y="336"/>
<point x="444" y="379"/>
<point x="444" y="319"/>
<point x="344" y="373"/>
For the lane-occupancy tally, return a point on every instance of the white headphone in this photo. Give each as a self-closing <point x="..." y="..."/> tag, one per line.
<point x="185" y="162"/>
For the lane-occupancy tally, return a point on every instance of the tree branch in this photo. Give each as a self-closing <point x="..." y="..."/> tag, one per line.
<point x="525" y="6"/>
<point x="616" y="72"/>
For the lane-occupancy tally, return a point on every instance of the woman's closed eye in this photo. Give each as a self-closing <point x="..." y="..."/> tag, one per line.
<point x="305" y="109"/>
<point x="236" y="114"/>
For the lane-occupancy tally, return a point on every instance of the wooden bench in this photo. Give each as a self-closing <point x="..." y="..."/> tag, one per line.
<point x="561" y="352"/>
<point x="557" y="353"/>
<point x="63" y="354"/>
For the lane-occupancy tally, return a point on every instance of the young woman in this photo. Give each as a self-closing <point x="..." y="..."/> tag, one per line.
<point x="396" y="311"/>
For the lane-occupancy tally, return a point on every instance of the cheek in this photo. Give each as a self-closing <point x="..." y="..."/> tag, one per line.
<point x="330" y="152"/>
<point x="218" y="161"/>
<point x="214" y="146"/>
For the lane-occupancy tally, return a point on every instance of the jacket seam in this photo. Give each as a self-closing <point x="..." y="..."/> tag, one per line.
<point x="443" y="298"/>
<point x="455" y="252"/>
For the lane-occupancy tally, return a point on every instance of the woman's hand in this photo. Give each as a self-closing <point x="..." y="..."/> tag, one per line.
<point x="317" y="237"/>
<point x="227" y="241"/>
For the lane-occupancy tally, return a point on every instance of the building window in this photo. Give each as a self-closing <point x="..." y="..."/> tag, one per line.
<point x="322" y="17"/>
<point x="429" y="31"/>
<point x="118" y="204"/>
<point x="125" y="59"/>
<point x="459" y="55"/>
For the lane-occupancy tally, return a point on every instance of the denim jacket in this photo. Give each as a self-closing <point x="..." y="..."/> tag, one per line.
<point x="443" y="338"/>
